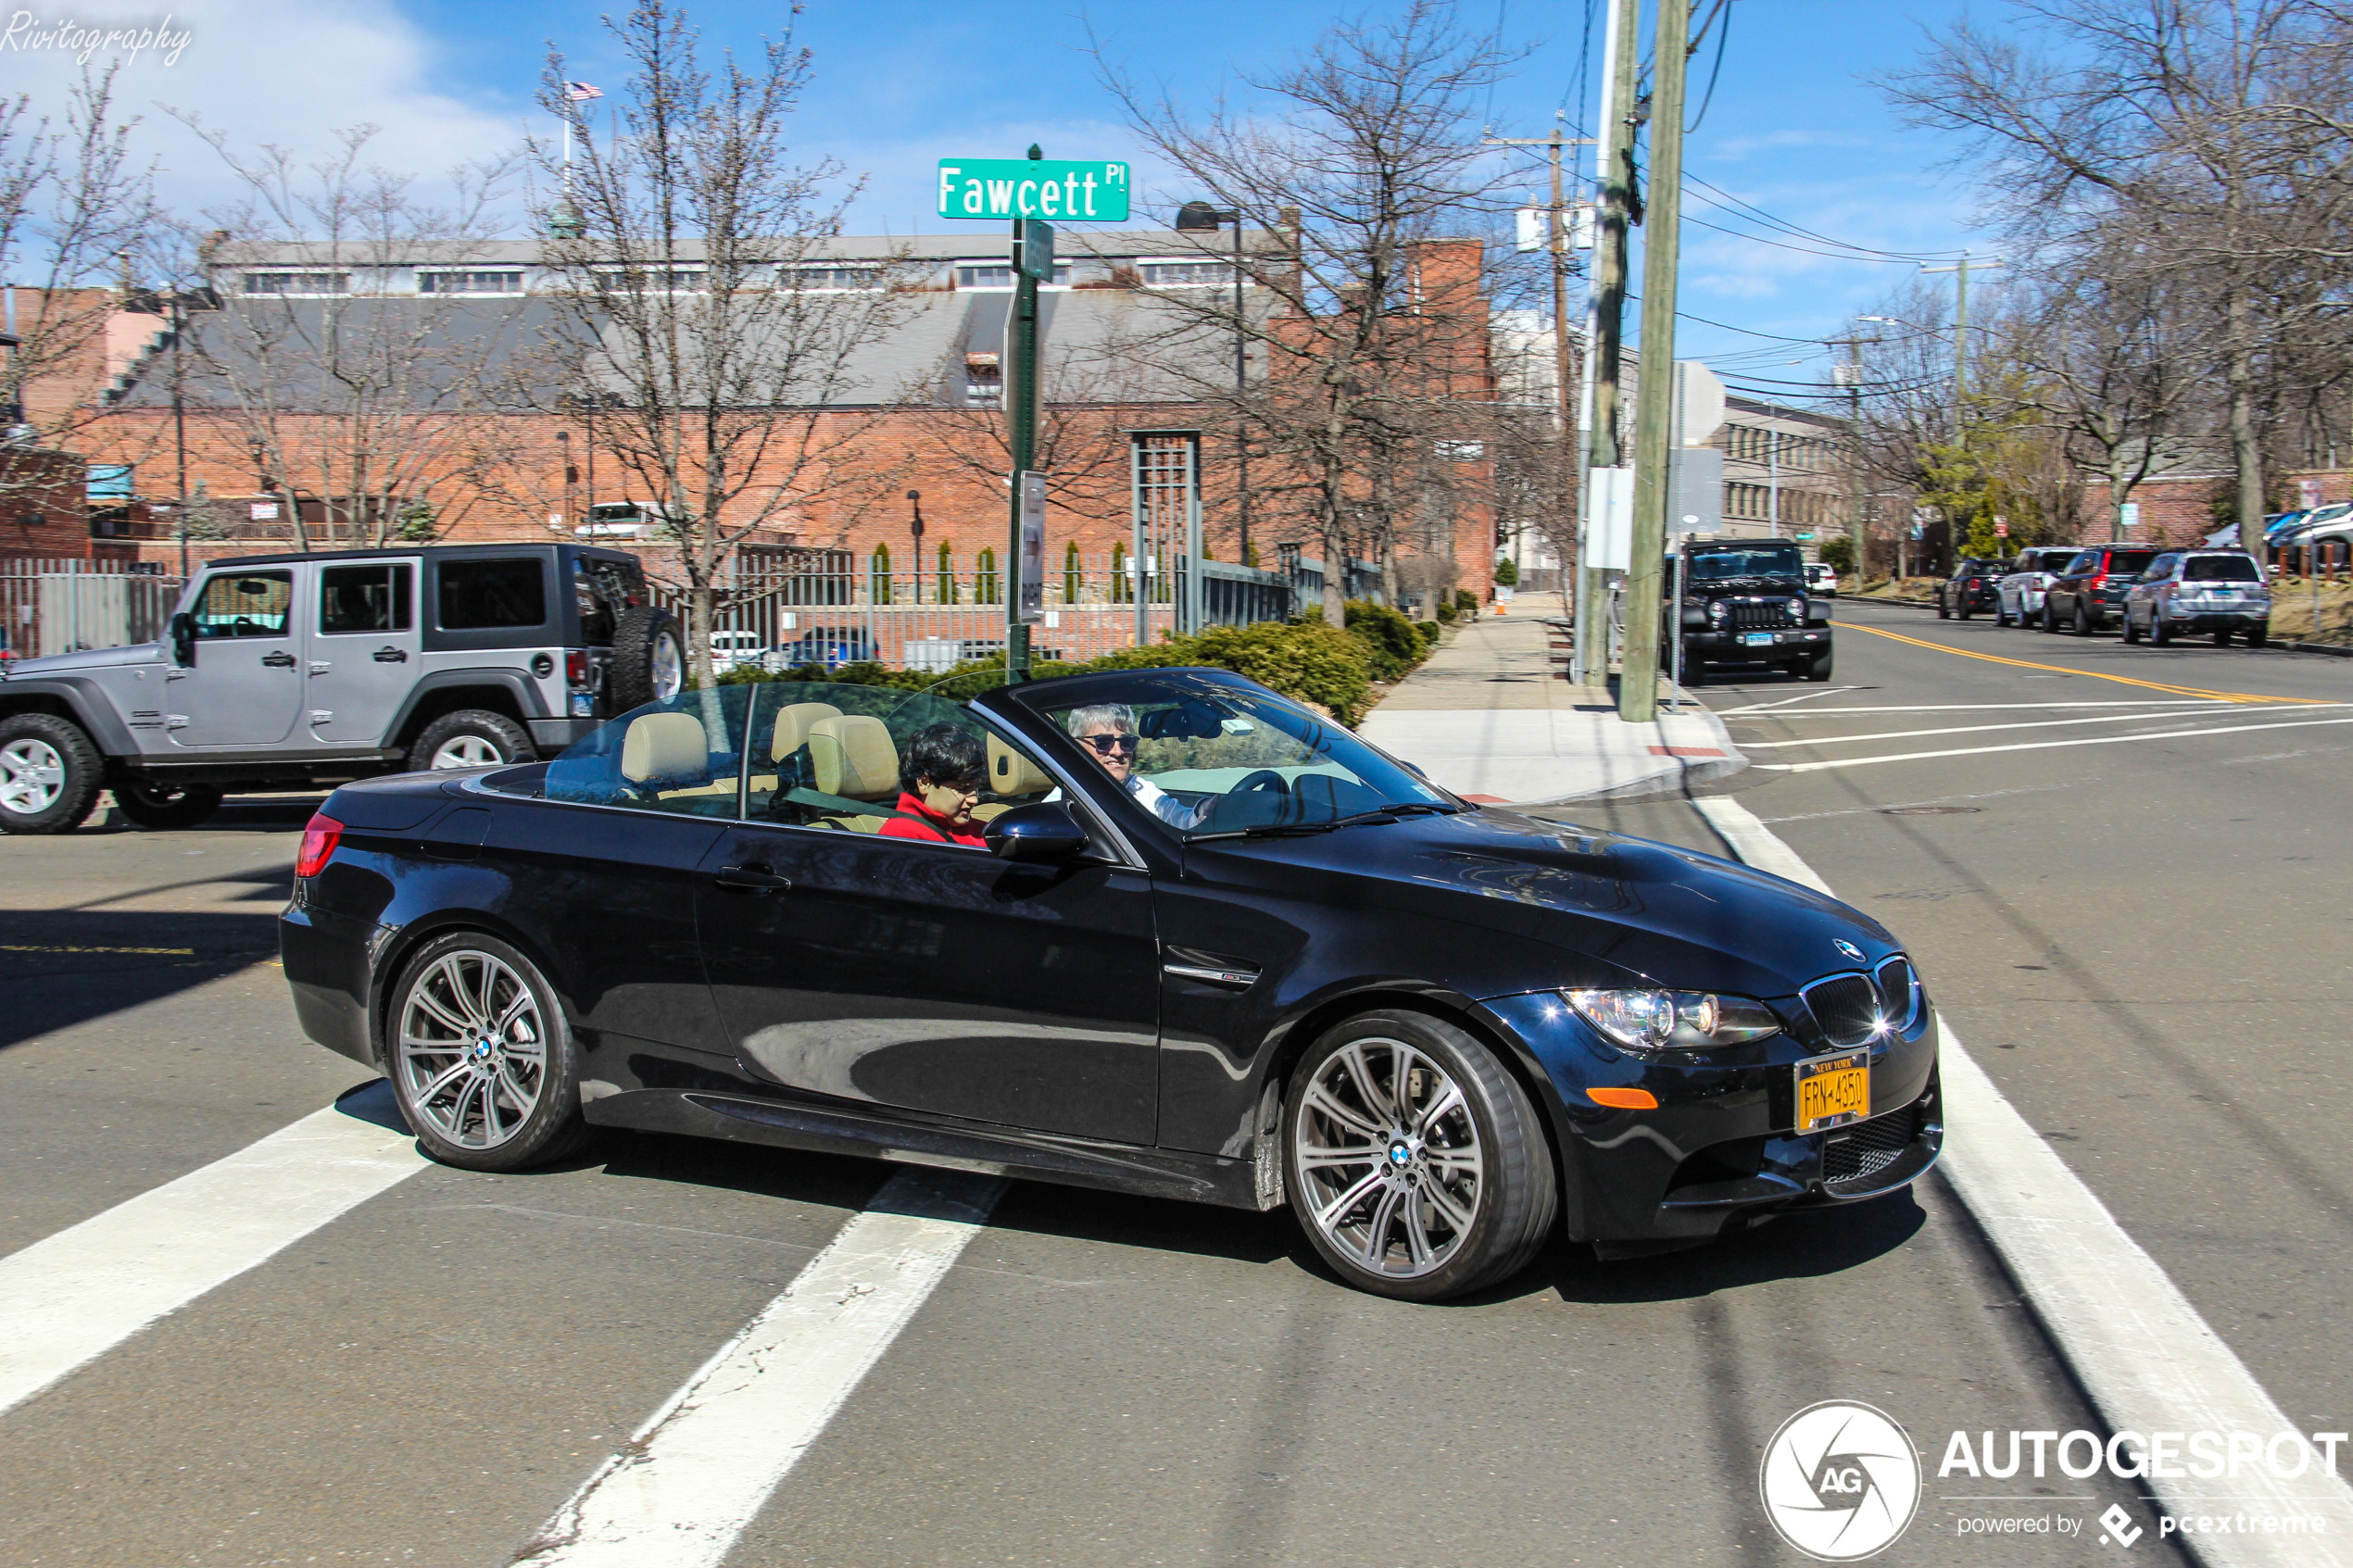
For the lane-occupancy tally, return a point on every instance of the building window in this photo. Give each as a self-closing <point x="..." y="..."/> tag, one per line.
<point x="1000" y="277"/>
<point x="469" y="282"/>
<point x="983" y="381"/>
<point x="297" y="282"/>
<point x="840" y="279"/>
<point x="652" y="280"/>
<point x="1185" y="274"/>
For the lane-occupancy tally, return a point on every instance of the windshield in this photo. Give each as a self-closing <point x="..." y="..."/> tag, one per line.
<point x="2221" y="569"/>
<point x="1707" y="566"/>
<point x="1213" y="760"/>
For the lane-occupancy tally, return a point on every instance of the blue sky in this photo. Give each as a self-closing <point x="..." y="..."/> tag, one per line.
<point x="1792" y="127"/>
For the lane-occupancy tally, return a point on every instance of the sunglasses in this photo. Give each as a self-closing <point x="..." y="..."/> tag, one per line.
<point x="1106" y="744"/>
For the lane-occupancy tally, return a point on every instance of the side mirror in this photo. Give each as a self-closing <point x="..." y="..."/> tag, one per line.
<point x="1044" y="834"/>
<point x="183" y="639"/>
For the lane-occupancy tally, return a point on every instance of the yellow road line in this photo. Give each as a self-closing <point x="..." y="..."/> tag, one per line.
<point x="2089" y="674"/>
<point x="32" y="947"/>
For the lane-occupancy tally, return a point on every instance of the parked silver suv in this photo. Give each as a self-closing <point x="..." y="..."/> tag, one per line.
<point x="300" y="672"/>
<point x="2186" y="592"/>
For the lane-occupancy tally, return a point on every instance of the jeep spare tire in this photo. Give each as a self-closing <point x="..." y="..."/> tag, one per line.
<point x="648" y="658"/>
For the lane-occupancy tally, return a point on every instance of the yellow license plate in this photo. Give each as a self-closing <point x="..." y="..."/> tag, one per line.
<point x="1834" y="1090"/>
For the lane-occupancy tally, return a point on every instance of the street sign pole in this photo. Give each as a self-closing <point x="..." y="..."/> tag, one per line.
<point x="1033" y="260"/>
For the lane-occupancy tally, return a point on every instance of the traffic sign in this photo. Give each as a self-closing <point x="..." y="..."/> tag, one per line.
<point x="1020" y="187"/>
<point x="2001" y="529"/>
<point x="1804" y="535"/>
<point x="1033" y="256"/>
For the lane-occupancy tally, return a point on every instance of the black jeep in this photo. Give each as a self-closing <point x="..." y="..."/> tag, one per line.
<point x="1744" y="602"/>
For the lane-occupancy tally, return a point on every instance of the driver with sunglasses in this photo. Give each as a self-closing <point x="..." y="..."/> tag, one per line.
<point x="1108" y="731"/>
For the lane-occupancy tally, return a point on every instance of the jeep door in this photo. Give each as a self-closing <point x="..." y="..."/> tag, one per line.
<point x="244" y="687"/>
<point x="365" y="650"/>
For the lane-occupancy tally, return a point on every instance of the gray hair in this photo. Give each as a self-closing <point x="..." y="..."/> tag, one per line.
<point x="1100" y="716"/>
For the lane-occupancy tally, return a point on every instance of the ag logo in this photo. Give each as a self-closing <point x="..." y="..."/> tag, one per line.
<point x="1839" y="1481"/>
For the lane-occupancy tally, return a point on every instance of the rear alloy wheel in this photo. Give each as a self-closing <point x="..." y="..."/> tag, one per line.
<point x="472" y="737"/>
<point x="2084" y="625"/>
<point x="2132" y="628"/>
<point x="49" y="773"/>
<point x="2158" y="635"/>
<point x="479" y="1057"/>
<point x="1416" y="1164"/>
<point x="159" y="806"/>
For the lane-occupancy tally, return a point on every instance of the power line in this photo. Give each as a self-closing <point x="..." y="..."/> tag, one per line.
<point x="1715" y="70"/>
<point x="1798" y="231"/>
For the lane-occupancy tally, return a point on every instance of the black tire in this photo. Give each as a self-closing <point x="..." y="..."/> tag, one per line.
<point x="2085" y="623"/>
<point x="1819" y="667"/>
<point x="1943" y="612"/>
<point x="648" y="657"/>
<point x="2260" y="635"/>
<point x="2050" y="618"/>
<point x="2158" y="635"/>
<point x="2132" y="628"/>
<point x="159" y="806"/>
<point x="2222" y="637"/>
<point x="1964" y="612"/>
<point x="49" y="774"/>
<point x="460" y="1125"/>
<point x="472" y="737"/>
<point x="1512" y="1198"/>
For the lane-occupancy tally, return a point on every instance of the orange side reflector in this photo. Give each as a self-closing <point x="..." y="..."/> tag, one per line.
<point x="1625" y="1099"/>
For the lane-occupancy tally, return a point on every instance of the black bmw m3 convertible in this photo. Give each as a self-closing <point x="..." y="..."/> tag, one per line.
<point x="1159" y="931"/>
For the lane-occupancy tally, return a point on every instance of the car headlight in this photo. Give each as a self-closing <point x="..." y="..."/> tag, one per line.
<point x="1718" y="611"/>
<point x="1650" y="1021"/>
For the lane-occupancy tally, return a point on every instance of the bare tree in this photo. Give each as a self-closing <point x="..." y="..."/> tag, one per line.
<point x="76" y="215"/>
<point x="700" y="309"/>
<point x="1352" y="160"/>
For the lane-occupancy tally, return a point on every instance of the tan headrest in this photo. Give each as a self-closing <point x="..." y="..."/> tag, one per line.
<point x="792" y="727"/>
<point x="663" y="746"/>
<point x="852" y="756"/>
<point x="1011" y="772"/>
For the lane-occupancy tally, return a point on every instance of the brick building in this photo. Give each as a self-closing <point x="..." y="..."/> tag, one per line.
<point x="463" y="455"/>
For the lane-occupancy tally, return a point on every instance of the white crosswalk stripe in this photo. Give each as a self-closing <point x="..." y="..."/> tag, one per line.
<point x="69" y="1297"/>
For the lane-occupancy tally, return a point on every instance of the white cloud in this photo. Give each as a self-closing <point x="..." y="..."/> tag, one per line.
<point x="288" y="72"/>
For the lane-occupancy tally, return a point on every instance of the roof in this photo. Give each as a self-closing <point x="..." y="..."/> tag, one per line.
<point x="974" y="240"/>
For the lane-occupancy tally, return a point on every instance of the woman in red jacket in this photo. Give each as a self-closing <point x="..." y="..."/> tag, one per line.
<point x="948" y="765"/>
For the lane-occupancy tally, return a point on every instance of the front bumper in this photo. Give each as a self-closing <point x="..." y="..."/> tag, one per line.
<point x="1722" y="1149"/>
<point x="1733" y="647"/>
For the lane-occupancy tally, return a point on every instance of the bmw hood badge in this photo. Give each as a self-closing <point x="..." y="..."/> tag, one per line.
<point x="1849" y="948"/>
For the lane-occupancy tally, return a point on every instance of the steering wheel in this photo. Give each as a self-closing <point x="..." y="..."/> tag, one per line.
<point x="1264" y="780"/>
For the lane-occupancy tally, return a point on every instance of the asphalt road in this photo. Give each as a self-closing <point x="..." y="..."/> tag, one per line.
<point x="2118" y="932"/>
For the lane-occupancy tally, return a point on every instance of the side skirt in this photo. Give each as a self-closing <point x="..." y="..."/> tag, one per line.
<point x="1149" y="1173"/>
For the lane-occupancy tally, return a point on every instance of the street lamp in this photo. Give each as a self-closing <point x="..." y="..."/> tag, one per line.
<point x="916" y="500"/>
<point x="563" y="450"/>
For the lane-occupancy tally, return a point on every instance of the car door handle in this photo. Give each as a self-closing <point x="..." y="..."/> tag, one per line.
<point x="751" y="879"/>
<point x="391" y="656"/>
<point x="279" y="660"/>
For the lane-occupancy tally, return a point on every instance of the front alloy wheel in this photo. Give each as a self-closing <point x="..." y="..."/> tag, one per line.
<point x="1415" y="1162"/>
<point x="481" y="1063"/>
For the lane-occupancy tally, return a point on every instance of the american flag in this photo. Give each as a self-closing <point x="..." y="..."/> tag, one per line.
<point x="580" y="92"/>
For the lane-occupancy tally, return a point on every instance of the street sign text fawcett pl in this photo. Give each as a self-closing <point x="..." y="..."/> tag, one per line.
<point x="1006" y="187"/>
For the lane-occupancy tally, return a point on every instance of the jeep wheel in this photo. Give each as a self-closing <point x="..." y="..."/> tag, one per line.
<point x="151" y="804"/>
<point x="1415" y="1162"/>
<point x="648" y="658"/>
<point x="472" y="737"/>
<point x="1819" y="667"/>
<point x="48" y="774"/>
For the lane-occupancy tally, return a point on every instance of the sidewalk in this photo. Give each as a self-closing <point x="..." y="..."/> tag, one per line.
<point x="1493" y="716"/>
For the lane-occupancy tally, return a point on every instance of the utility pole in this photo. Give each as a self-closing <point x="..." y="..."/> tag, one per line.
<point x="1613" y="167"/>
<point x="1557" y="242"/>
<point x="1850" y="376"/>
<point x="1961" y="377"/>
<point x="1654" y="398"/>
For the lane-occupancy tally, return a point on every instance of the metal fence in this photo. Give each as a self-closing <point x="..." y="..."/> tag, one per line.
<point x="65" y="606"/>
<point x="930" y="619"/>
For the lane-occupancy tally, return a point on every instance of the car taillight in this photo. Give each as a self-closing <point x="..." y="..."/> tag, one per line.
<point x="319" y="836"/>
<point x="2097" y="578"/>
<point x="576" y="668"/>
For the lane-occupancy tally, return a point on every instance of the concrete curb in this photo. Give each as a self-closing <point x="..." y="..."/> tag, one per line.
<point x="1672" y="771"/>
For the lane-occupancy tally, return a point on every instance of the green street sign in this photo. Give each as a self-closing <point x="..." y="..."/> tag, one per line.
<point x="1805" y="536"/>
<point x="1020" y="187"/>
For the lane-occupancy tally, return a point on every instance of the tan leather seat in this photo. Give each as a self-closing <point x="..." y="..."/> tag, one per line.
<point x="793" y="724"/>
<point x="1011" y="771"/>
<point x="664" y="746"/>
<point x="852" y="756"/>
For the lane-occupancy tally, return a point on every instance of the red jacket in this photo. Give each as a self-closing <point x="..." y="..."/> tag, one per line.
<point x="918" y="821"/>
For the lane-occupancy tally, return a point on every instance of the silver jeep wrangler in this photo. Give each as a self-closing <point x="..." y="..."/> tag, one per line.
<point x="299" y="671"/>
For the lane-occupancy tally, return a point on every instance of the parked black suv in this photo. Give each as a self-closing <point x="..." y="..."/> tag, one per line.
<point x="2090" y="593"/>
<point x="307" y="671"/>
<point x="1744" y="602"/>
<point x="1974" y="586"/>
